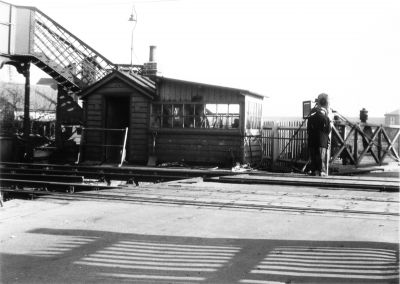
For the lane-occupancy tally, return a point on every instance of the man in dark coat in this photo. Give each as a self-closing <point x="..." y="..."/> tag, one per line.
<point x="318" y="130"/>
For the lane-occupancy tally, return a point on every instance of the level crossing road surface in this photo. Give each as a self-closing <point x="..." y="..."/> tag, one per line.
<point x="191" y="231"/>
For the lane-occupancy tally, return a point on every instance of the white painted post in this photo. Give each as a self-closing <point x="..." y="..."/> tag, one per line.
<point x="123" y="154"/>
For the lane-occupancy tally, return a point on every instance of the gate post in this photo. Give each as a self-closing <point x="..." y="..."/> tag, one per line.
<point x="355" y="150"/>
<point x="380" y="145"/>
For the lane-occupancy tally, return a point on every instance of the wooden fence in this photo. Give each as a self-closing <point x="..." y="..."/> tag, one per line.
<point x="284" y="144"/>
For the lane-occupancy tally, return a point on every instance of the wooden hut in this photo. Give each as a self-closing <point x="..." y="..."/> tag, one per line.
<point x="204" y="123"/>
<point x="118" y="101"/>
<point x="174" y="120"/>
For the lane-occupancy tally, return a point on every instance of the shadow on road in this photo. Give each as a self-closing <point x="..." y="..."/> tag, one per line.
<point x="83" y="256"/>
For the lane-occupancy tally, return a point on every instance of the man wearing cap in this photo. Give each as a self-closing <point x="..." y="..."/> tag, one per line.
<point x="318" y="130"/>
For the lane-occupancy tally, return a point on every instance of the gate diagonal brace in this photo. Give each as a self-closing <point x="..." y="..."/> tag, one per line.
<point x="343" y="145"/>
<point x="390" y="145"/>
<point x="371" y="142"/>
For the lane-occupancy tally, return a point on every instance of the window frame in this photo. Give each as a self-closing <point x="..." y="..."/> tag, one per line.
<point x="228" y="117"/>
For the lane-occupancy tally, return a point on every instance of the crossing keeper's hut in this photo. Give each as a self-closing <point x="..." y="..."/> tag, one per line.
<point x="173" y="120"/>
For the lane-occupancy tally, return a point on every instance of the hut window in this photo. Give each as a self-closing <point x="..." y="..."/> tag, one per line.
<point x="189" y="114"/>
<point x="167" y="116"/>
<point x="222" y="115"/>
<point x="195" y="115"/>
<point x="177" y="116"/>
<point x="253" y="115"/>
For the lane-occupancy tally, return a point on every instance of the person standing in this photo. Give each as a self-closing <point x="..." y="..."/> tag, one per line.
<point x="318" y="130"/>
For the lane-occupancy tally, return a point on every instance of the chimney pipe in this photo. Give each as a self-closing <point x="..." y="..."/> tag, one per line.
<point x="152" y="57"/>
<point x="150" y="68"/>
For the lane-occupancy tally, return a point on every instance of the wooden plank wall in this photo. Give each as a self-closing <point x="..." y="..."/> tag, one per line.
<point x="202" y="147"/>
<point x="176" y="91"/>
<point x="199" y="146"/>
<point x="139" y="119"/>
<point x="139" y="123"/>
<point x="93" y="119"/>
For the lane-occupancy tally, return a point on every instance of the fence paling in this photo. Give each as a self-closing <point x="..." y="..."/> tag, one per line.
<point x="279" y="137"/>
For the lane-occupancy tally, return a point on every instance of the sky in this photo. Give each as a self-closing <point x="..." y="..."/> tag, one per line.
<point x="288" y="50"/>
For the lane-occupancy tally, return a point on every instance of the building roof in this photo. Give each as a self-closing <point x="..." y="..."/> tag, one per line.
<point x="148" y="86"/>
<point x="395" y="112"/>
<point x="141" y="83"/>
<point x="240" y="91"/>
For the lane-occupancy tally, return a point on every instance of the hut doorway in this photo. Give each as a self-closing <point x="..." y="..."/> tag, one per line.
<point x="117" y="117"/>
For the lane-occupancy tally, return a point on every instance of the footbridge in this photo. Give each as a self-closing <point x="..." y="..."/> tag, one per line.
<point x="30" y="36"/>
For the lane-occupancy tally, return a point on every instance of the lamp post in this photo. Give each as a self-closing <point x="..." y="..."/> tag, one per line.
<point x="132" y="18"/>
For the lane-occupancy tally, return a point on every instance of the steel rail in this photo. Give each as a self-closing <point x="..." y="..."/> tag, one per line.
<point x="122" y="176"/>
<point x="226" y="205"/>
<point x="188" y="172"/>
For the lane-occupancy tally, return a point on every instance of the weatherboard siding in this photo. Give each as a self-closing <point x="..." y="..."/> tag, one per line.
<point x="176" y="91"/>
<point x="137" y="142"/>
<point x="206" y="147"/>
<point x="203" y="146"/>
<point x="93" y="119"/>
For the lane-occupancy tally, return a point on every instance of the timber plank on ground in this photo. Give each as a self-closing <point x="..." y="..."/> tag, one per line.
<point x="377" y="184"/>
<point x="334" y="177"/>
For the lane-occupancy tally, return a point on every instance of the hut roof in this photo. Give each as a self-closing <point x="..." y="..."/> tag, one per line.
<point x="240" y="91"/>
<point x="141" y="83"/>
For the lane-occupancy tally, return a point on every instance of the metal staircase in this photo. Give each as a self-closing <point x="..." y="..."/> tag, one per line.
<point x="52" y="48"/>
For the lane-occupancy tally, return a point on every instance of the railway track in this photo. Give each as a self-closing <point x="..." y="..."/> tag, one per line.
<point x="244" y="200"/>
<point x="207" y="204"/>
<point x="46" y="179"/>
<point x="58" y="182"/>
<point x="51" y="172"/>
<point x="113" y="172"/>
<point x="69" y="173"/>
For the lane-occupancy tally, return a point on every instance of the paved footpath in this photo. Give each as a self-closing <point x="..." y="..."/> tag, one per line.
<point x="195" y="232"/>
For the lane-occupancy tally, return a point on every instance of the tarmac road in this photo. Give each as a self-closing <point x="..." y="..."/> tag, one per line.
<point x="85" y="241"/>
